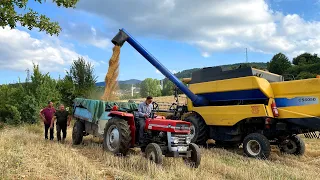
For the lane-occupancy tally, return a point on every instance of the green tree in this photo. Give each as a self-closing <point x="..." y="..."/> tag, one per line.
<point x="81" y="74"/>
<point x="31" y="19"/>
<point x="67" y="90"/>
<point x="43" y="88"/>
<point x="279" y="64"/>
<point x="168" y="87"/>
<point x="306" y="58"/>
<point x="150" y="87"/>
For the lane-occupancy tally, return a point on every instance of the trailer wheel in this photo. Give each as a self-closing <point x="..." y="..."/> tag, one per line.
<point x="194" y="160"/>
<point x="199" y="129"/>
<point x="117" y="136"/>
<point x="257" y="146"/>
<point x="153" y="153"/>
<point x="293" y="145"/>
<point x="77" y="132"/>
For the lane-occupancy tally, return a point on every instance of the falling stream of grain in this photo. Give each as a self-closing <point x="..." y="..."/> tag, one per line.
<point x="111" y="78"/>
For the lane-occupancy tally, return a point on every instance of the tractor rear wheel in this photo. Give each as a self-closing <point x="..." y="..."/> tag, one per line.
<point x="293" y="145"/>
<point x="257" y="146"/>
<point x="77" y="132"/>
<point x="199" y="129"/>
<point x="194" y="160"/>
<point x="153" y="153"/>
<point x="117" y="136"/>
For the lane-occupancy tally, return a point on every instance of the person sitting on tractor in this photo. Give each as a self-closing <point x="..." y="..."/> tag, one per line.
<point x="144" y="111"/>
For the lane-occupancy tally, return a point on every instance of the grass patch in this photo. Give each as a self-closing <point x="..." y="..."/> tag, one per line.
<point x="35" y="128"/>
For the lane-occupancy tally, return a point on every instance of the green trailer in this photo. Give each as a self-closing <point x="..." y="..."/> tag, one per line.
<point x="92" y="116"/>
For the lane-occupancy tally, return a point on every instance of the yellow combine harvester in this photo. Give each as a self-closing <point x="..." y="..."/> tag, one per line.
<point x="248" y="109"/>
<point x="244" y="106"/>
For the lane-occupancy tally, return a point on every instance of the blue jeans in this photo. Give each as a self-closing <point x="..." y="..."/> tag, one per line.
<point x="142" y="123"/>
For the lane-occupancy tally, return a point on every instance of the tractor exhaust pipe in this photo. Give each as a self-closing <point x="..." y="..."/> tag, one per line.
<point x="123" y="36"/>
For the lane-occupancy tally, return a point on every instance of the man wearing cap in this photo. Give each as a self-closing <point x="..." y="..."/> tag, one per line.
<point x="46" y="115"/>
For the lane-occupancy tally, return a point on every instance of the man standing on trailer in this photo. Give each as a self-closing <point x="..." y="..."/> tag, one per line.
<point x="46" y="115"/>
<point x="144" y="111"/>
<point x="63" y="120"/>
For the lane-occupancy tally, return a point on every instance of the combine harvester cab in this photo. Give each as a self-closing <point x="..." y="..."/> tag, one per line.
<point x="244" y="106"/>
<point x="116" y="123"/>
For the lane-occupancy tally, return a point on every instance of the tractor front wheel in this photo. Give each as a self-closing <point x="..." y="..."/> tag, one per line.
<point x="194" y="160"/>
<point x="293" y="145"/>
<point x="117" y="136"/>
<point x="153" y="153"/>
<point x="257" y="146"/>
<point x="199" y="129"/>
<point x="77" y="132"/>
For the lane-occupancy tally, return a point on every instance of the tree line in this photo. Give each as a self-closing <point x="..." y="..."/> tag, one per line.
<point x="22" y="102"/>
<point x="303" y="66"/>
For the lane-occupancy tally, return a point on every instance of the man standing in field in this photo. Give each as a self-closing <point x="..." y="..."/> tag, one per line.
<point x="46" y="115"/>
<point x="144" y="110"/>
<point x="63" y="120"/>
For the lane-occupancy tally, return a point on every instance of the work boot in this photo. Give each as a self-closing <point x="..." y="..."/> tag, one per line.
<point x="62" y="141"/>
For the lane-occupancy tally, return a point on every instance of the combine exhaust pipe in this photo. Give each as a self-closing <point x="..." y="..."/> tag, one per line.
<point x="124" y="36"/>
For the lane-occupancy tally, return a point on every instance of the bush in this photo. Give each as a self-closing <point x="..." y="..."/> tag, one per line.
<point x="10" y="114"/>
<point x="306" y="75"/>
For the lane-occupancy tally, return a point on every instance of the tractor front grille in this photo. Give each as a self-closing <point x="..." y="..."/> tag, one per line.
<point x="181" y="139"/>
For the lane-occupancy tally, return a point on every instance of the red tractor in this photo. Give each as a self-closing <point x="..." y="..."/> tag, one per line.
<point x="170" y="138"/>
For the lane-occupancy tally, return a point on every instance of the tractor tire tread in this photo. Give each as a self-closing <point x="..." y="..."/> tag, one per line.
<point x="198" y="121"/>
<point x="77" y="132"/>
<point x="195" y="158"/>
<point x="125" y="135"/>
<point x="158" y="152"/>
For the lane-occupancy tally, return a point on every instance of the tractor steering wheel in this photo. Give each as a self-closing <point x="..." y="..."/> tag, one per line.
<point x="155" y="106"/>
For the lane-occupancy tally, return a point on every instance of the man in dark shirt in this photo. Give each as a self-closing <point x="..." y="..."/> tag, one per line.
<point x="46" y="115"/>
<point x="62" y="121"/>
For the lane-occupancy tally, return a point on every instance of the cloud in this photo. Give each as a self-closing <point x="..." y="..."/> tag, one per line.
<point x="172" y="71"/>
<point x="86" y="34"/>
<point x="18" y="51"/>
<point x="102" y="62"/>
<point x="212" y="26"/>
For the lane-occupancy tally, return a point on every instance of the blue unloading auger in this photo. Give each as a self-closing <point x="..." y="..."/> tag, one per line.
<point x="124" y="36"/>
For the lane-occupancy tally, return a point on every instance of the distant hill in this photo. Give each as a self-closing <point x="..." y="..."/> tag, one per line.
<point x="130" y="81"/>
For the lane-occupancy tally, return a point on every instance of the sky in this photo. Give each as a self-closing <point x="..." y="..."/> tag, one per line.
<point x="181" y="34"/>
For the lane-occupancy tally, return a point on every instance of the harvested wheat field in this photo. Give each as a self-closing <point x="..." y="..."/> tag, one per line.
<point x="24" y="154"/>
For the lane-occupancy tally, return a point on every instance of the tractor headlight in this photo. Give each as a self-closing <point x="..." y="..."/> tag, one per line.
<point x="175" y="140"/>
<point x="188" y="140"/>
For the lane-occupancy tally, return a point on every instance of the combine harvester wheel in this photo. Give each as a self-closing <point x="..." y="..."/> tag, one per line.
<point x="293" y="145"/>
<point x="257" y="146"/>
